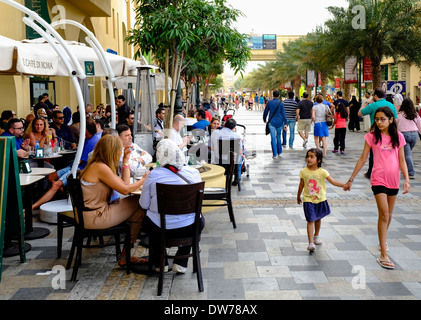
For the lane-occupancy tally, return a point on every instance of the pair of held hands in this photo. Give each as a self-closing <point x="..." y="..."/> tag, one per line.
<point x="406" y="186"/>
<point x="348" y="184"/>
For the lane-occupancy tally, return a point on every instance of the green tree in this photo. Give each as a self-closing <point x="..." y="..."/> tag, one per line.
<point x="376" y="29"/>
<point x="190" y="30"/>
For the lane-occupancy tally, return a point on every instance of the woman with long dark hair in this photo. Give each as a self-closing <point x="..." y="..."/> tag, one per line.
<point x="387" y="144"/>
<point x="409" y="123"/>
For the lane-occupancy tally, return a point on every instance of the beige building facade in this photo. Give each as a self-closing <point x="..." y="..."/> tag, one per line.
<point x="108" y="20"/>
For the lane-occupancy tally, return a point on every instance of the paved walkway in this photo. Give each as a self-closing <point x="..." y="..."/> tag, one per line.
<point x="265" y="258"/>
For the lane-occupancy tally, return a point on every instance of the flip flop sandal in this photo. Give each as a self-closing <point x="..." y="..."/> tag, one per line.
<point x="386" y="264"/>
<point x="133" y="260"/>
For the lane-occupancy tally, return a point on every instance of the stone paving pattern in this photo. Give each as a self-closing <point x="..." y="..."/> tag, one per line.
<point x="265" y="258"/>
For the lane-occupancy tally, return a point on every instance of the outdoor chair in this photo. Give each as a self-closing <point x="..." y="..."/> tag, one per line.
<point x="75" y="191"/>
<point x="178" y="200"/>
<point x="223" y="194"/>
<point x="65" y="220"/>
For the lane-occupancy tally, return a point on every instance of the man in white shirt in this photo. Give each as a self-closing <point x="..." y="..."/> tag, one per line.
<point x="177" y="125"/>
<point x="366" y="101"/>
<point x="139" y="158"/>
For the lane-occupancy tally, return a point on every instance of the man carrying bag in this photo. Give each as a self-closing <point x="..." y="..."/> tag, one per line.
<point x="277" y="122"/>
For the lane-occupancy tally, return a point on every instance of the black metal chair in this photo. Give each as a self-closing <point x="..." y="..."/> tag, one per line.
<point x="178" y="200"/>
<point x="76" y="195"/>
<point x="223" y="194"/>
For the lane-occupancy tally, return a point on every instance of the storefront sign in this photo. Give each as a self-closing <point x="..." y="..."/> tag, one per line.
<point x="40" y="7"/>
<point x="89" y="68"/>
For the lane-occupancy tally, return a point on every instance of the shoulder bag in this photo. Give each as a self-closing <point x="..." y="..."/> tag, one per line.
<point x="329" y="116"/>
<point x="267" y="123"/>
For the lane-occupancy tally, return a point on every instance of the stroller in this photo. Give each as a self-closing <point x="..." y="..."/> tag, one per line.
<point x="228" y="114"/>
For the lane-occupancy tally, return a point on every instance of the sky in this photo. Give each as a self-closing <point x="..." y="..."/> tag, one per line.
<point x="294" y="17"/>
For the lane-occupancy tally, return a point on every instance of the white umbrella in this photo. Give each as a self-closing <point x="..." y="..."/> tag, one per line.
<point x="35" y="57"/>
<point x="89" y="60"/>
<point x="17" y="58"/>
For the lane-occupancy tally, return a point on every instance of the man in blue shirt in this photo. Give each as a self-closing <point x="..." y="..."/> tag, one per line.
<point x="277" y="122"/>
<point x="16" y="129"/>
<point x="379" y="101"/>
<point x="201" y="123"/>
<point x="58" y="179"/>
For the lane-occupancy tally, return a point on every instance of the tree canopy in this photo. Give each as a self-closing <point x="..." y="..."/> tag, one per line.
<point x="196" y="32"/>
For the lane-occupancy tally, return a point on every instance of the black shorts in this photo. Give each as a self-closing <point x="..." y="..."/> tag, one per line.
<point x="383" y="189"/>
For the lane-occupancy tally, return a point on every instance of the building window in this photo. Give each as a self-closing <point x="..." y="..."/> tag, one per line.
<point x="394" y="74"/>
<point x="385" y="72"/>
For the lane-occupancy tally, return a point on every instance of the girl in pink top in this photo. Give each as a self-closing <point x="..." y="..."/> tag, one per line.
<point x="388" y="154"/>
<point x="339" y="122"/>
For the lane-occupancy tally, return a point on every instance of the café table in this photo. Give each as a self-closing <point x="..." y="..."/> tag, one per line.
<point x="27" y="182"/>
<point x="40" y="171"/>
<point x="40" y="160"/>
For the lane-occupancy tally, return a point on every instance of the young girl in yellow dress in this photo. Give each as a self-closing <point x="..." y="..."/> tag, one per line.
<point x="312" y="186"/>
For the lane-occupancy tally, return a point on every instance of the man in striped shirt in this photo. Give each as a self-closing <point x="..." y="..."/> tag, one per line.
<point x="291" y="112"/>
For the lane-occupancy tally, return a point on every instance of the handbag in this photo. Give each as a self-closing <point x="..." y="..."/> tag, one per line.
<point x="267" y="123"/>
<point x="329" y="117"/>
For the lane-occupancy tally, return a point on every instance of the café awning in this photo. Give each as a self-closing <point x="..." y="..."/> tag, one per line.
<point x="35" y="57"/>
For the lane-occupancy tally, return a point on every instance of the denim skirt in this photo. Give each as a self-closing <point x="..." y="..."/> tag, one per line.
<point x="316" y="211"/>
<point x="321" y="129"/>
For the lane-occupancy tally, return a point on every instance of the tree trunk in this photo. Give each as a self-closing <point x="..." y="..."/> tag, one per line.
<point x="377" y="79"/>
<point x="323" y="77"/>
<point x="297" y="86"/>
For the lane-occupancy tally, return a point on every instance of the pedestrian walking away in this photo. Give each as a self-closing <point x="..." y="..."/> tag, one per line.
<point x="304" y="113"/>
<point x="291" y="112"/>
<point x="277" y="123"/>
<point x="388" y="155"/>
<point x="354" y="119"/>
<point x="321" y="130"/>
<point x="312" y="187"/>
<point x="339" y="99"/>
<point x="339" y="123"/>
<point x="409" y="124"/>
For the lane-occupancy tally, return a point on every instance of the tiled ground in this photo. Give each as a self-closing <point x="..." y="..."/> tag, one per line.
<point x="265" y="258"/>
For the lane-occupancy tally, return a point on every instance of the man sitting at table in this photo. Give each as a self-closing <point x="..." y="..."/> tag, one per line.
<point x="58" y="179"/>
<point x="138" y="157"/>
<point x="201" y="123"/>
<point x="227" y="134"/>
<point x="15" y="129"/>
<point x="177" y="125"/>
<point x="63" y="132"/>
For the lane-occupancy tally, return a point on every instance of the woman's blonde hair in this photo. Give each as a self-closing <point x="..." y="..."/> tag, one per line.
<point x="31" y="127"/>
<point x="108" y="151"/>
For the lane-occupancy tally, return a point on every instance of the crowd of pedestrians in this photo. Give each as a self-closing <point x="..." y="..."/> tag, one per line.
<point x="393" y="130"/>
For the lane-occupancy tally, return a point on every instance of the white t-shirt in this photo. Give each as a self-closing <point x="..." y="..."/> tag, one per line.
<point x="176" y="137"/>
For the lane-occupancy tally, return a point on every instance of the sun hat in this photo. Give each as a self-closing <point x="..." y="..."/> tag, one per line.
<point x="168" y="153"/>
